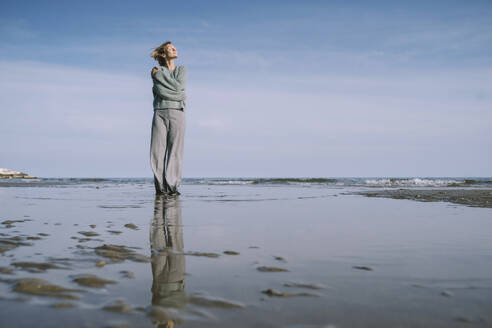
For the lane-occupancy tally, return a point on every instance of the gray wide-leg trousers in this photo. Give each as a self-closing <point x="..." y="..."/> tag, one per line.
<point x="166" y="148"/>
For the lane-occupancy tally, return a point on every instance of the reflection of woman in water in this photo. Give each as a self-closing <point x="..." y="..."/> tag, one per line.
<point x="168" y="261"/>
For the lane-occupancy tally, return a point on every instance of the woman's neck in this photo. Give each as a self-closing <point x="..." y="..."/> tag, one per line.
<point x="169" y="63"/>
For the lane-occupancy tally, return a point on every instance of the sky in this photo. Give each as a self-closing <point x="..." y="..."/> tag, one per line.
<point x="275" y="88"/>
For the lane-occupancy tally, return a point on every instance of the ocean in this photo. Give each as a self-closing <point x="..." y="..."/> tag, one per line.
<point x="370" y="182"/>
<point x="243" y="252"/>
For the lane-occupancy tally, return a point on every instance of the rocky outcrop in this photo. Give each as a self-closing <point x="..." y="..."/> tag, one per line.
<point x="11" y="174"/>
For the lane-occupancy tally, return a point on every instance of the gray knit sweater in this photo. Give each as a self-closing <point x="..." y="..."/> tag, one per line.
<point x="169" y="88"/>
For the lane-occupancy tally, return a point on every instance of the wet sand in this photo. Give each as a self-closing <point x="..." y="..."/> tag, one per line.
<point x="239" y="256"/>
<point x="470" y="197"/>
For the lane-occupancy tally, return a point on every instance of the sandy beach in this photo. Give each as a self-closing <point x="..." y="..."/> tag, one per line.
<point x="314" y="253"/>
<point x="470" y="197"/>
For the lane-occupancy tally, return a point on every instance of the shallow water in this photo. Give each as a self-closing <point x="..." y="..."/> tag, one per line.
<point x="423" y="264"/>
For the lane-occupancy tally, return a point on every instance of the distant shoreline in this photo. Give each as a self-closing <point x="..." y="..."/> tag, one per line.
<point x="11" y="174"/>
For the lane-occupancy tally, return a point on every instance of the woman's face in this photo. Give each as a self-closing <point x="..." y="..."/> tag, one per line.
<point x="171" y="52"/>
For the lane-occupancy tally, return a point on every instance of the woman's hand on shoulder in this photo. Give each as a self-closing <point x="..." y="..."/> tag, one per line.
<point x="154" y="70"/>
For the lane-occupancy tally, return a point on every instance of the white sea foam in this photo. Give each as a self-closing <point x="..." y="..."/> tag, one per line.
<point x="422" y="182"/>
<point x="225" y="182"/>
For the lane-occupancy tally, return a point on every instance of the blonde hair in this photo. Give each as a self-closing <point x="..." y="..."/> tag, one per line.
<point x="158" y="53"/>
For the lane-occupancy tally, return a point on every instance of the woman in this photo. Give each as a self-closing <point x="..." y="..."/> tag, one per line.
<point x="168" y="124"/>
